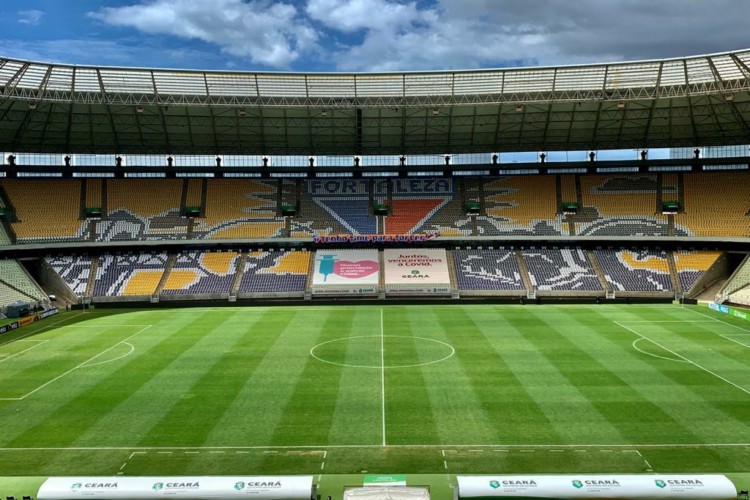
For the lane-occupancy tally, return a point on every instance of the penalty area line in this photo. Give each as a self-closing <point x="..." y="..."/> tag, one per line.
<point x="686" y="359"/>
<point x="80" y="365"/>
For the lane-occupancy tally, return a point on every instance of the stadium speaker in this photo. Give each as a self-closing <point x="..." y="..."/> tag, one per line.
<point x="192" y="212"/>
<point x="380" y="209"/>
<point x="570" y="207"/>
<point x="93" y="212"/>
<point x="472" y="208"/>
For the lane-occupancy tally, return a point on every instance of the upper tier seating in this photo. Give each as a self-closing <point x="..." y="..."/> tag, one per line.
<point x="620" y="205"/>
<point x="74" y="270"/>
<point x="240" y="208"/>
<point x="202" y="273"/>
<point x="520" y="205"/>
<point x="691" y="265"/>
<point x="741" y="296"/>
<point x="275" y="271"/>
<point x="566" y="269"/>
<point x="129" y="274"/>
<point x="12" y="273"/>
<point x="47" y="209"/>
<point x="4" y="236"/>
<point x="487" y="270"/>
<point x="635" y="270"/>
<point x="142" y="209"/>
<point x="716" y="204"/>
<point x="15" y="284"/>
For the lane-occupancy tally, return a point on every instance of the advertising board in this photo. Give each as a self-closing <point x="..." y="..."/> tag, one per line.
<point x="346" y="272"/>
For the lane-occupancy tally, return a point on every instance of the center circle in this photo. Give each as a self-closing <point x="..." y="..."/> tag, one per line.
<point x="382" y="352"/>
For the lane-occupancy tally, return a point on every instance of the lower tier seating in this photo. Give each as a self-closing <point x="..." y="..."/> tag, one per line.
<point x="129" y="274"/>
<point x="566" y="269"/>
<point x="487" y="270"/>
<point x="635" y="270"/>
<point x="202" y="273"/>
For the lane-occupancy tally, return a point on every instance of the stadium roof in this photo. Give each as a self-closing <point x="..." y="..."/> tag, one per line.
<point x="701" y="100"/>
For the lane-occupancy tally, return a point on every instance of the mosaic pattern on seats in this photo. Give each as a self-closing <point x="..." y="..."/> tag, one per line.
<point x="73" y="270"/>
<point x="635" y="270"/>
<point x="202" y="273"/>
<point x="487" y="270"/>
<point x="275" y="271"/>
<point x="692" y="265"/>
<point x="566" y="269"/>
<point x="129" y="274"/>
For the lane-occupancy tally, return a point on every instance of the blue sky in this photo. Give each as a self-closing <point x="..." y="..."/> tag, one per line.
<point x="365" y="35"/>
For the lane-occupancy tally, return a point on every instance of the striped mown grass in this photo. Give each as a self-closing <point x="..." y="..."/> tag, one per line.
<point x="414" y="389"/>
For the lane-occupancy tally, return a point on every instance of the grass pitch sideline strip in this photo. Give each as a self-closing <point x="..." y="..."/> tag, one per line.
<point x="443" y="446"/>
<point x="85" y="363"/>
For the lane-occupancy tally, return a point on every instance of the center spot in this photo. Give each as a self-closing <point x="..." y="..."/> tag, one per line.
<point x="388" y="351"/>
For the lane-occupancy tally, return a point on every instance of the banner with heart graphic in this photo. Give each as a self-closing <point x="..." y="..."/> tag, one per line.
<point x="346" y="271"/>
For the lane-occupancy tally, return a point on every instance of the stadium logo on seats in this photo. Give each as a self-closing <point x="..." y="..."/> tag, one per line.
<point x="495" y="484"/>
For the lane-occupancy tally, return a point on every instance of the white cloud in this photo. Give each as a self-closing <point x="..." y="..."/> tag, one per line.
<point x="30" y="17"/>
<point x="265" y="32"/>
<point x="391" y="35"/>
<point x="482" y="33"/>
<point x="379" y="15"/>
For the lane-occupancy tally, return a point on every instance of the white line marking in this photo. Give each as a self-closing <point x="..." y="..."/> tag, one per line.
<point x="322" y="465"/>
<point x="355" y="446"/>
<point x="719" y="321"/>
<point x="132" y="349"/>
<point x="380" y="366"/>
<point x="25" y="350"/>
<point x="442" y="452"/>
<point x="382" y="372"/>
<point x="40" y="329"/>
<point x="652" y="354"/>
<point x="75" y="367"/>
<point x="648" y="465"/>
<point x="123" y="465"/>
<point x="665" y="321"/>
<point x="445" y="464"/>
<point x="195" y="452"/>
<point x="325" y="454"/>
<point x="686" y="359"/>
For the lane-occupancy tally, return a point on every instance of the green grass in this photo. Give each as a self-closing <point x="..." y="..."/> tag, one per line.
<point x="465" y="389"/>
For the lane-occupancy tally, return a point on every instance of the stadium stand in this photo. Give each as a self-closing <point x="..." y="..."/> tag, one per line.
<point x="737" y="281"/>
<point x="15" y="276"/>
<point x="487" y="270"/>
<point x="4" y="236"/>
<point x="129" y="274"/>
<point x="621" y="205"/>
<point x="275" y="271"/>
<point x="142" y="209"/>
<point x="47" y="210"/>
<point x="239" y="208"/>
<point x="74" y="270"/>
<point x="564" y="269"/>
<point x="716" y="204"/>
<point x="202" y="273"/>
<point x="520" y="205"/>
<point x="741" y="296"/>
<point x="635" y="270"/>
<point x="691" y="265"/>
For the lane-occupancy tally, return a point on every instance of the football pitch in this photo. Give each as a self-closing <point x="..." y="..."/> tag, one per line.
<point x="437" y="389"/>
